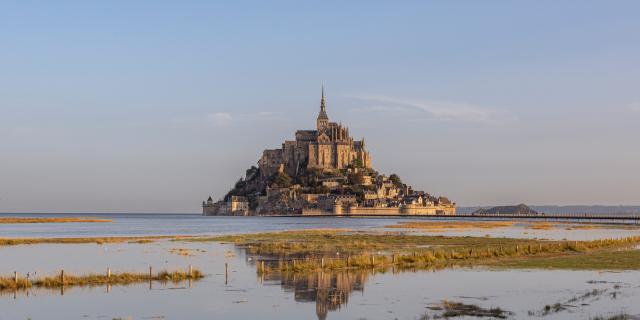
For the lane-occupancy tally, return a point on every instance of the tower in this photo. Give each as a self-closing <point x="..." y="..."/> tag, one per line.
<point x="322" y="120"/>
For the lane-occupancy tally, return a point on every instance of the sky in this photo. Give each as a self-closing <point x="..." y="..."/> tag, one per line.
<point x="152" y="106"/>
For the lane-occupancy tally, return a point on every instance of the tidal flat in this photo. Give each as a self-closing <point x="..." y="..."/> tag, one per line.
<point x="511" y="285"/>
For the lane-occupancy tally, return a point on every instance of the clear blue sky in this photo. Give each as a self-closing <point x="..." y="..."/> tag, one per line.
<point x="152" y="106"/>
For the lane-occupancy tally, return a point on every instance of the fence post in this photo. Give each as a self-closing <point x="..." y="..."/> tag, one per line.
<point x="15" y="277"/>
<point x="108" y="274"/>
<point x="62" y="277"/>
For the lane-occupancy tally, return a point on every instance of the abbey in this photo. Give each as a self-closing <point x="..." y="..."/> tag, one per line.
<point x="329" y="147"/>
<point x="323" y="172"/>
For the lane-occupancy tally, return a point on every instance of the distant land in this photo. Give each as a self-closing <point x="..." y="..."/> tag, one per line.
<point x="521" y="209"/>
<point x="570" y="209"/>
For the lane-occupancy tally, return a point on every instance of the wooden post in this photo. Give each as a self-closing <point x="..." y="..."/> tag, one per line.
<point x="394" y="258"/>
<point x="190" y="271"/>
<point x="321" y="263"/>
<point x="15" y="277"/>
<point x="108" y="274"/>
<point x="373" y="261"/>
<point x="262" y="266"/>
<point x="150" y="277"/>
<point x="62" y="277"/>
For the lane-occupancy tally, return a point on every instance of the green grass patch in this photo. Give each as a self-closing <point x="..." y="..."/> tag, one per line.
<point x="593" y="260"/>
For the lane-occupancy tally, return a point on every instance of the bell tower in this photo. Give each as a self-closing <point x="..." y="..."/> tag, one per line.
<point x="322" y="120"/>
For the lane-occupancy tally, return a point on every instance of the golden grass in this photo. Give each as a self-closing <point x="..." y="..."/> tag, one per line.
<point x="466" y="225"/>
<point x="97" y="240"/>
<point x="9" y="283"/>
<point x="438" y="226"/>
<point x="542" y="226"/>
<point x="186" y="252"/>
<point x="314" y="250"/>
<point x="10" y="220"/>
<point x="577" y="226"/>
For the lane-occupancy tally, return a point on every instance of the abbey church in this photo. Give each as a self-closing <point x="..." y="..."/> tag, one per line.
<point x="327" y="148"/>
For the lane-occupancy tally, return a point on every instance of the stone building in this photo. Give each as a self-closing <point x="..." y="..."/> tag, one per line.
<point x="327" y="148"/>
<point x="236" y="206"/>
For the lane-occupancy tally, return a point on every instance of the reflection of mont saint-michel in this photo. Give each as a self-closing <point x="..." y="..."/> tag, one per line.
<point x="323" y="172"/>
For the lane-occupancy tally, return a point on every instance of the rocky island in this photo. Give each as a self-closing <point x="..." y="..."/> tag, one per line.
<point x="323" y="172"/>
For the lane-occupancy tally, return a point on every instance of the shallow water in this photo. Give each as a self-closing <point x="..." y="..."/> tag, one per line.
<point x="245" y="295"/>
<point x="191" y="224"/>
<point x="353" y="295"/>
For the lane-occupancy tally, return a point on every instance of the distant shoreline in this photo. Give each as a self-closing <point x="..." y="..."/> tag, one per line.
<point x="17" y="220"/>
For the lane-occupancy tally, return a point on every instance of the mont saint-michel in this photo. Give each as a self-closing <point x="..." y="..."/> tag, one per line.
<point x="323" y="172"/>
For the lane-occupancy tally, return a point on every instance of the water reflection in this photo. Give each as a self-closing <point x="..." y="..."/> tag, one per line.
<point x="106" y="287"/>
<point x="329" y="291"/>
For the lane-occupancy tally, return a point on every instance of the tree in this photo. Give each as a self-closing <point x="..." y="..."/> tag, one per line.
<point x="240" y="184"/>
<point x="282" y="180"/>
<point x="396" y="180"/>
<point x="252" y="173"/>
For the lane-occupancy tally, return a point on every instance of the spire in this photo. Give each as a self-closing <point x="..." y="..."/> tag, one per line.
<point x="322" y="116"/>
<point x="322" y="104"/>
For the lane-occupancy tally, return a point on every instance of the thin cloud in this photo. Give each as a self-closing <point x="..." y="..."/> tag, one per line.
<point x="635" y="107"/>
<point x="220" y="119"/>
<point x="226" y="119"/>
<point x="438" y="111"/>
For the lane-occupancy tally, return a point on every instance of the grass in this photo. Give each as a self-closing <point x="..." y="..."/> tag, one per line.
<point x="594" y="260"/>
<point x="97" y="240"/>
<point x="539" y="225"/>
<point x="314" y="250"/>
<point x="452" y="225"/>
<point x="568" y="304"/>
<point x="452" y="309"/>
<point x="8" y="220"/>
<point x="312" y="242"/>
<point x="9" y="283"/>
